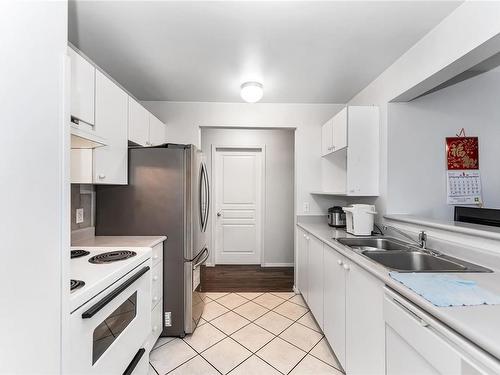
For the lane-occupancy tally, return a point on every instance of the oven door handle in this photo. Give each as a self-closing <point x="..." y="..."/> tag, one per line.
<point x="132" y="365"/>
<point x="104" y="301"/>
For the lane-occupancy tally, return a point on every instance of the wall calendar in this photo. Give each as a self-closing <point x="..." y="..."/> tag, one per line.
<point x="463" y="176"/>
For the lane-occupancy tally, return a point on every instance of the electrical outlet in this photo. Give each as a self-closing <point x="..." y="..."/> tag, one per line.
<point x="168" y="319"/>
<point x="79" y="215"/>
<point x="306" y="207"/>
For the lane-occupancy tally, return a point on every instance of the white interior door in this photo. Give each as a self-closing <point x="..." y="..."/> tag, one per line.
<point x="238" y="205"/>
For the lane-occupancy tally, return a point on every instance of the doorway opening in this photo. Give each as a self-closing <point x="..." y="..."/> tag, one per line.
<point x="252" y="210"/>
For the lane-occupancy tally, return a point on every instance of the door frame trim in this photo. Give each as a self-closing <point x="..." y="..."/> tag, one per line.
<point x="213" y="151"/>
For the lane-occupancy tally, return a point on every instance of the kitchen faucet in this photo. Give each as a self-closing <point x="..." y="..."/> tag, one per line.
<point x="422" y="236"/>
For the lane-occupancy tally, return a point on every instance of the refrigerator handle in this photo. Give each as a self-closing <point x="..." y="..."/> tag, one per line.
<point x="207" y="187"/>
<point x="202" y="194"/>
<point x="200" y="262"/>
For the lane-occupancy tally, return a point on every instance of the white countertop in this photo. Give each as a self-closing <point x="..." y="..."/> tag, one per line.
<point x="119" y="241"/>
<point x="477" y="230"/>
<point x="480" y="324"/>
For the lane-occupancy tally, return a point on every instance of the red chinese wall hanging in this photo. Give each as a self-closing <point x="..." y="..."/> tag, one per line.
<point x="462" y="153"/>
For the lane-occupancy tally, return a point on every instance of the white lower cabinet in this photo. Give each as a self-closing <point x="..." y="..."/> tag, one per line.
<point x="315" y="279"/>
<point x="418" y="344"/>
<point x="372" y="329"/>
<point x="334" y="302"/>
<point x="365" y="334"/>
<point x="156" y="298"/>
<point x="302" y="260"/>
<point x="347" y="303"/>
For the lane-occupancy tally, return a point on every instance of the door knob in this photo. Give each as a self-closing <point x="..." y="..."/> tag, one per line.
<point x="219" y="214"/>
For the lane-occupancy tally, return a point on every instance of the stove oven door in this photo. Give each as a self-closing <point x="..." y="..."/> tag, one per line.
<point x="108" y="331"/>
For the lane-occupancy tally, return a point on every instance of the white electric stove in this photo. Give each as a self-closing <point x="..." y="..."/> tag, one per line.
<point x="97" y="277"/>
<point x="110" y="304"/>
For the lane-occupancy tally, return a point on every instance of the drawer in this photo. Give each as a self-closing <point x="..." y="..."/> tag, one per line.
<point x="156" y="320"/>
<point x="157" y="256"/>
<point x="156" y="326"/>
<point x="157" y="284"/>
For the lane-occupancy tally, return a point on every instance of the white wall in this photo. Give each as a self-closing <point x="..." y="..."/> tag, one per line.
<point x="453" y="46"/>
<point x="278" y="224"/>
<point x="417" y="151"/>
<point x="183" y="120"/>
<point x="35" y="224"/>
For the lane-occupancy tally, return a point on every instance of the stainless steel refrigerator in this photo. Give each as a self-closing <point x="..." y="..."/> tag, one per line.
<point x="168" y="193"/>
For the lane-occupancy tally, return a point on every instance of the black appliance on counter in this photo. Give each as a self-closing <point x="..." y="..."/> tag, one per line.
<point x="336" y="217"/>
<point x="474" y="215"/>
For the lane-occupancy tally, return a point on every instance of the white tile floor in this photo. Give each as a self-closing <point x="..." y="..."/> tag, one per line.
<point x="248" y="334"/>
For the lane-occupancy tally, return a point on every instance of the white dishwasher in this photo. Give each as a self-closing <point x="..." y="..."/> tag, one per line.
<point x="417" y="343"/>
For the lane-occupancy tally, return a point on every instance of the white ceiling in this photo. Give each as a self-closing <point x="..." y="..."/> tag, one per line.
<point x="303" y="52"/>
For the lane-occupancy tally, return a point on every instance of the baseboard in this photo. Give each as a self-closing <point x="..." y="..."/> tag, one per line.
<point x="277" y="265"/>
<point x="207" y="264"/>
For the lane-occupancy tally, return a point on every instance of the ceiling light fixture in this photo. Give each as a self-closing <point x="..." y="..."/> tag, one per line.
<point x="252" y="92"/>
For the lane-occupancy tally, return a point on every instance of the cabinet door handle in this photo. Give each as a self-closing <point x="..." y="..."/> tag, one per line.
<point x="101" y="176"/>
<point x="346" y="267"/>
<point x="339" y="262"/>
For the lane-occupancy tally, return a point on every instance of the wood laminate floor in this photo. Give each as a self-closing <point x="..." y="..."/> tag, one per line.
<point x="247" y="278"/>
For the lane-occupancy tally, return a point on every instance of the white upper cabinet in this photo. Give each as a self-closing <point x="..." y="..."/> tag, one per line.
<point x="82" y="89"/>
<point x="143" y="128"/>
<point x="334" y="133"/>
<point x="157" y="131"/>
<point x="350" y="145"/>
<point x="327" y="137"/>
<point x="138" y="123"/>
<point x="339" y="133"/>
<point x="104" y="113"/>
<point x="111" y="120"/>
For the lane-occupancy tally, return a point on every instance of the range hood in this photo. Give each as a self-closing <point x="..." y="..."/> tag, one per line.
<point x="85" y="139"/>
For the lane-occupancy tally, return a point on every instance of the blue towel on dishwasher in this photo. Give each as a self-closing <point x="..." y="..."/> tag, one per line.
<point x="446" y="290"/>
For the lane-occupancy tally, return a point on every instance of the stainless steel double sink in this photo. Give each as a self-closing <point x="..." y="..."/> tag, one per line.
<point x="403" y="256"/>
